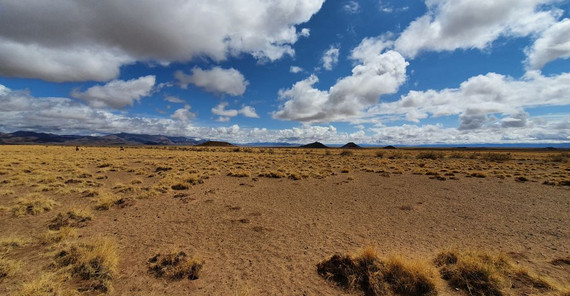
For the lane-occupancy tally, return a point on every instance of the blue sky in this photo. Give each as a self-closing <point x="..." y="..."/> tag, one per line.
<point x="371" y="72"/>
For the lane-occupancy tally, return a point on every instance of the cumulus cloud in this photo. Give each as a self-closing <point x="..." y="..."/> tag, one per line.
<point x="553" y="44"/>
<point x="36" y="40"/>
<point x="226" y="114"/>
<point x="248" y="111"/>
<point x="351" y="7"/>
<point x="117" y="93"/>
<point x="19" y="110"/>
<point x="175" y="100"/>
<point x="479" y="98"/>
<point x="375" y="74"/>
<point x="295" y="69"/>
<point x="330" y="58"/>
<point x="183" y="114"/>
<point x="467" y="24"/>
<point x="216" y="80"/>
<point x="221" y="110"/>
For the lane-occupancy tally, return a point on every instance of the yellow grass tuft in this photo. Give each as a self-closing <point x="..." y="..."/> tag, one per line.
<point x="73" y="218"/>
<point x="372" y="275"/>
<point x="33" y="204"/>
<point x="175" y="266"/>
<point x="93" y="265"/>
<point x="480" y="273"/>
<point x="8" y="267"/>
<point x="44" y="286"/>
<point x="57" y="236"/>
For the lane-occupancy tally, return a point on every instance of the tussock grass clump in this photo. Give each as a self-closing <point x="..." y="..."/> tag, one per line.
<point x="75" y="218"/>
<point x="272" y="174"/>
<point x="106" y="201"/>
<point x="175" y="266"/>
<point x="57" y="236"/>
<point x="430" y="155"/>
<point x="499" y="157"/>
<point x="33" y="204"/>
<point x="239" y="174"/>
<point x="368" y="273"/>
<point x="45" y="285"/>
<point x="8" y="267"/>
<point x="93" y="265"/>
<point x="346" y="153"/>
<point x="484" y="274"/>
<point x="12" y="242"/>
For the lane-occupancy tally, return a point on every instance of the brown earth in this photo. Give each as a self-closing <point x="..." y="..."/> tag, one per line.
<point x="264" y="236"/>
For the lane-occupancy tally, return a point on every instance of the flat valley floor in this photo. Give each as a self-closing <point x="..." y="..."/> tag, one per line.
<point x="261" y="219"/>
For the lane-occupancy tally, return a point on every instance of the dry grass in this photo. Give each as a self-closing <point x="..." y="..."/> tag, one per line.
<point x="372" y="275"/>
<point x="74" y="218"/>
<point x="8" y="267"/>
<point x="46" y="285"/>
<point x="175" y="266"/>
<point x="106" y="201"/>
<point x="57" y="236"/>
<point x="483" y="274"/>
<point x="33" y="204"/>
<point x="93" y="265"/>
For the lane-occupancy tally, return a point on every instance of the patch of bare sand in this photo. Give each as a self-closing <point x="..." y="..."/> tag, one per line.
<point x="265" y="237"/>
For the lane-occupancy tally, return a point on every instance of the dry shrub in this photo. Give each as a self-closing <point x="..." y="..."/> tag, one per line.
<point x="239" y="174"/>
<point x="430" y="155"/>
<point x="57" y="236"/>
<point x="484" y="274"/>
<point x="368" y="273"/>
<point x="93" y="265"/>
<point x="33" y="204"/>
<point x="75" y="218"/>
<point x="499" y="157"/>
<point x="272" y="174"/>
<point x="346" y="153"/>
<point x="106" y="201"/>
<point x="175" y="266"/>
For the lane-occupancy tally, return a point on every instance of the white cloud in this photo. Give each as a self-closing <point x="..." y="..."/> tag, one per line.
<point x="295" y="69"/>
<point x="376" y="74"/>
<point x="36" y="40"/>
<point x="183" y="114"/>
<point x="117" y="93"/>
<point x="330" y="58"/>
<point x="553" y="44"/>
<point x="351" y="7"/>
<point x="216" y="80"/>
<point x="226" y="114"/>
<point x="175" y="100"/>
<point x="305" y="32"/>
<point x="480" y="98"/>
<point x="19" y="110"/>
<point x="220" y="110"/>
<point x="248" y="111"/>
<point x="464" y="24"/>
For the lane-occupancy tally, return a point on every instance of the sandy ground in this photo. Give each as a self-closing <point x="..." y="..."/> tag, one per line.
<point x="262" y="236"/>
<point x="266" y="236"/>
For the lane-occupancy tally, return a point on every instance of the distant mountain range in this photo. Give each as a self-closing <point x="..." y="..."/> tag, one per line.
<point x="122" y="139"/>
<point x="126" y="139"/>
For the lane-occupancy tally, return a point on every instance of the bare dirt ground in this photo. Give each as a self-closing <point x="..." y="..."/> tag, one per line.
<point x="264" y="236"/>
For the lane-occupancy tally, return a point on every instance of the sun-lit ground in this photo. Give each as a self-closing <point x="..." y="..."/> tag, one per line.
<point x="213" y="221"/>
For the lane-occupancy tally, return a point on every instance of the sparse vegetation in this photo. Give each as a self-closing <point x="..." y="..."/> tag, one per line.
<point x="76" y="218"/>
<point x="33" y="204"/>
<point x="484" y="274"/>
<point x="93" y="265"/>
<point x="175" y="266"/>
<point x="372" y="275"/>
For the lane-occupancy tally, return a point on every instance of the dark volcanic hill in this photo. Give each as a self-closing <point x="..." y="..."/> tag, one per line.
<point x="351" y="145"/>
<point x="122" y="139"/>
<point x="314" y="145"/>
<point x="215" y="144"/>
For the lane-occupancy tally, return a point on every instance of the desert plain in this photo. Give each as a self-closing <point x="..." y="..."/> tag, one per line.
<point x="264" y="221"/>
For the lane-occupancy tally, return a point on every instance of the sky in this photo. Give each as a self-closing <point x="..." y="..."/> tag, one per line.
<point x="376" y="72"/>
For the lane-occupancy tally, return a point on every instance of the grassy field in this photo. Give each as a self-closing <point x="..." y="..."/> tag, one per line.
<point x="243" y="221"/>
